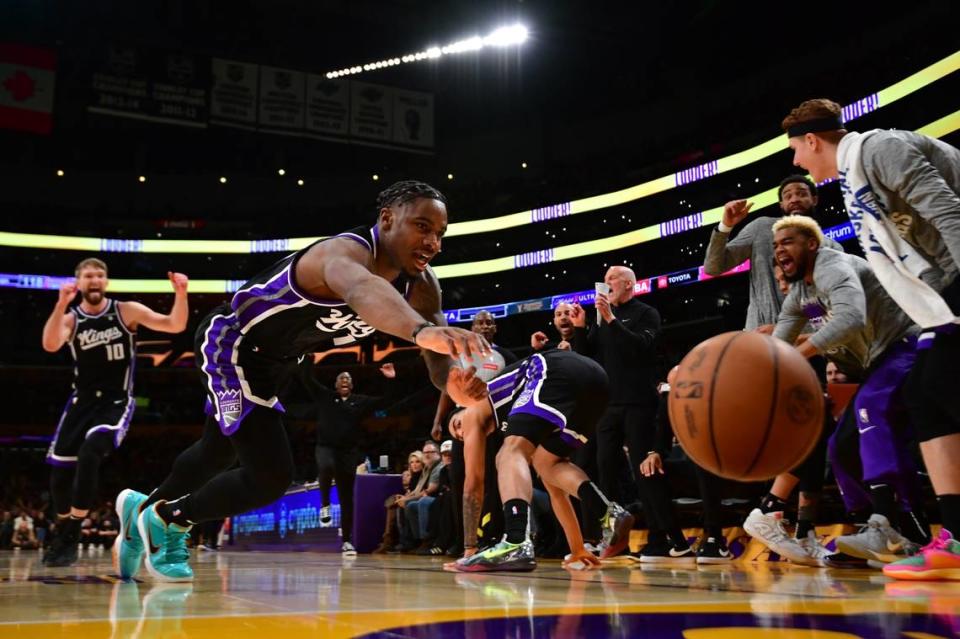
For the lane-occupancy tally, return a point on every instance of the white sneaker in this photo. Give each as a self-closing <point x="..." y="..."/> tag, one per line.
<point x="877" y="542"/>
<point x="815" y="552"/>
<point x="347" y="550"/>
<point x="768" y="529"/>
<point x="326" y="517"/>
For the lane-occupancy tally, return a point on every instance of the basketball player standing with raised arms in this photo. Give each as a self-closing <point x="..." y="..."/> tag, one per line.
<point x="334" y="292"/>
<point x="796" y="195"/>
<point x="100" y="332"/>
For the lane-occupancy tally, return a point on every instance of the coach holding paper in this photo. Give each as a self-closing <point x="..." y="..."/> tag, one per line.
<point x="623" y="343"/>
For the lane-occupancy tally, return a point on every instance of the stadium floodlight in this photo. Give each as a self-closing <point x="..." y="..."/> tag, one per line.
<point x="505" y="36"/>
<point x="512" y="35"/>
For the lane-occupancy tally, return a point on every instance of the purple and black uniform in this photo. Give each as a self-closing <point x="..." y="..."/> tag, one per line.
<point x="859" y="326"/>
<point x="104" y="352"/>
<point x="247" y="349"/>
<point x="554" y="399"/>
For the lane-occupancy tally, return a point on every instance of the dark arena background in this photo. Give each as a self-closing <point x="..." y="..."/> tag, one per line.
<point x="214" y="138"/>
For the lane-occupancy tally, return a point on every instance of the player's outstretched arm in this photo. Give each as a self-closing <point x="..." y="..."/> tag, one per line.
<point x="136" y="314"/>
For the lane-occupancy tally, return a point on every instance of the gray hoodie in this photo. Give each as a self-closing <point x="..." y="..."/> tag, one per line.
<point x="753" y="242"/>
<point x="916" y="180"/>
<point x="854" y="319"/>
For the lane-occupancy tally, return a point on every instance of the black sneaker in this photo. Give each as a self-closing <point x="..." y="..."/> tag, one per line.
<point x="53" y="547"/>
<point x="668" y="554"/>
<point x="843" y="560"/>
<point x="64" y="549"/>
<point x="714" y="551"/>
<point x="502" y="557"/>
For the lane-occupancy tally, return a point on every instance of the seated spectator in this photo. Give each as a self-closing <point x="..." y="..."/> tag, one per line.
<point x="394" y="503"/>
<point x="416" y="508"/>
<point x="23" y="537"/>
<point x="442" y="514"/>
<point x="41" y="526"/>
<point x="6" y="530"/>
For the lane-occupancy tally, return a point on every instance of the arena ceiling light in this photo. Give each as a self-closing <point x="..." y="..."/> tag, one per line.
<point x="513" y="35"/>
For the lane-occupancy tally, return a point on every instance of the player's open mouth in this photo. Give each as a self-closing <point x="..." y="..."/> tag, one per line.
<point x="786" y="263"/>
<point x="421" y="260"/>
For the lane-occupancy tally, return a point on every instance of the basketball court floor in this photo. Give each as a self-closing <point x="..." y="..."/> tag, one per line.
<point x="291" y="595"/>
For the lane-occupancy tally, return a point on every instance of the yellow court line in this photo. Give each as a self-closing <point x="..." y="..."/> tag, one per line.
<point x="346" y="624"/>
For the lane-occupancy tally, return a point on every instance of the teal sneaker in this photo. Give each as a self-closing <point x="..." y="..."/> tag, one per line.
<point x="128" y="546"/>
<point x="500" y="558"/>
<point x="166" y="546"/>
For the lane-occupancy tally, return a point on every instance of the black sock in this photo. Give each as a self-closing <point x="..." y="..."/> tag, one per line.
<point x="71" y="528"/>
<point x="772" y="504"/>
<point x="803" y="527"/>
<point x="807" y="513"/>
<point x="716" y="532"/>
<point x="152" y="498"/>
<point x="884" y="502"/>
<point x="915" y="527"/>
<point x="678" y="539"/>
<point x="515" y="514"/>
<point x="950" y="512"/>
<point x="175" y="512"/>
<point x="590" y="496"/>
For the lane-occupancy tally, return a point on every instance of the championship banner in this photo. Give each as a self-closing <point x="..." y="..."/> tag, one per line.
<point x="233" y="93"/>
<point x="371" y="112"/>
<point x="328" y="106"/>
<point x="156" y="86"/>
<point x="27" y="79"/>
<point x="413" y="118"/>
<point x="282" y="100"/>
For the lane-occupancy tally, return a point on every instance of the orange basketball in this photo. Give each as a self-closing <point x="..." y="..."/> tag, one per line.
<point x="746" y="406"/>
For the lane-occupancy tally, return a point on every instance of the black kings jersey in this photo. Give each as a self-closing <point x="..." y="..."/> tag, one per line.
<point x="104" y="351"/>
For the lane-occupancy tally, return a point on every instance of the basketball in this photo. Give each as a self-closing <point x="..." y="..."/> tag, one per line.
<point x="746" y="406"/>
<point x="488" y="366"/>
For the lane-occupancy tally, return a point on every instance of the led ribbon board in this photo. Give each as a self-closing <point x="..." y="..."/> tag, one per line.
<point x="861" y="107"/>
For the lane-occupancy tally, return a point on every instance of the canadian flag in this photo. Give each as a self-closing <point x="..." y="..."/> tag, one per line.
<point x="27" y="77"/>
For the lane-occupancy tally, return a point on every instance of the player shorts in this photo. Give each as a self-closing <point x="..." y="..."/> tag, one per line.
<point x="556" y="402"/>
<point x="85" y="414"/>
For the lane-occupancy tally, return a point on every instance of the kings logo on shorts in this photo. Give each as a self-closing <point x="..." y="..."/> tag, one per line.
<point x="229" y="402"/>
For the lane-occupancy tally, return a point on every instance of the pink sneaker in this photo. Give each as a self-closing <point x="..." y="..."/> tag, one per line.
<point x="940" y="559"/>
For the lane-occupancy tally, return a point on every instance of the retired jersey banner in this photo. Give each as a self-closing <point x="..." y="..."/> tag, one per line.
<point x="27" y="79"/>
<point x="328" y="106"/>
<point x="233" y="93"/>
<point x="413" y="118"/>
<point x="371" y="111"/>
<point x="282" y="96"/>
<point x="157" y="86"/>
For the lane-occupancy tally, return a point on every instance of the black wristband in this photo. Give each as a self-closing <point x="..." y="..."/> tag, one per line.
<point x="419" y="328"/>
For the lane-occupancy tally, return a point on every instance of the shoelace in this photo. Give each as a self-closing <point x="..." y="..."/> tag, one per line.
<point x="176" y="546"/>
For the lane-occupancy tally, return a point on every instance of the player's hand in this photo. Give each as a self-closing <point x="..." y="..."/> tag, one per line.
<point x="455" y="342"/>
<point x="651" y="465"/>
<point x="734" y="212"/>
<point x="578" y="316"/>
<point x="179" y="281"/>
<point x="68" y="290"/>
<point x="538" y="340"/>
<point x="388" y="371"/>
<point x="582" y="556"/>
<point x="564" y="345"/>
<point x="766" y="329"/>
<point x="464" y="387"/>
<point x="436" y="433"/>
<point x="603" y="305"/>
